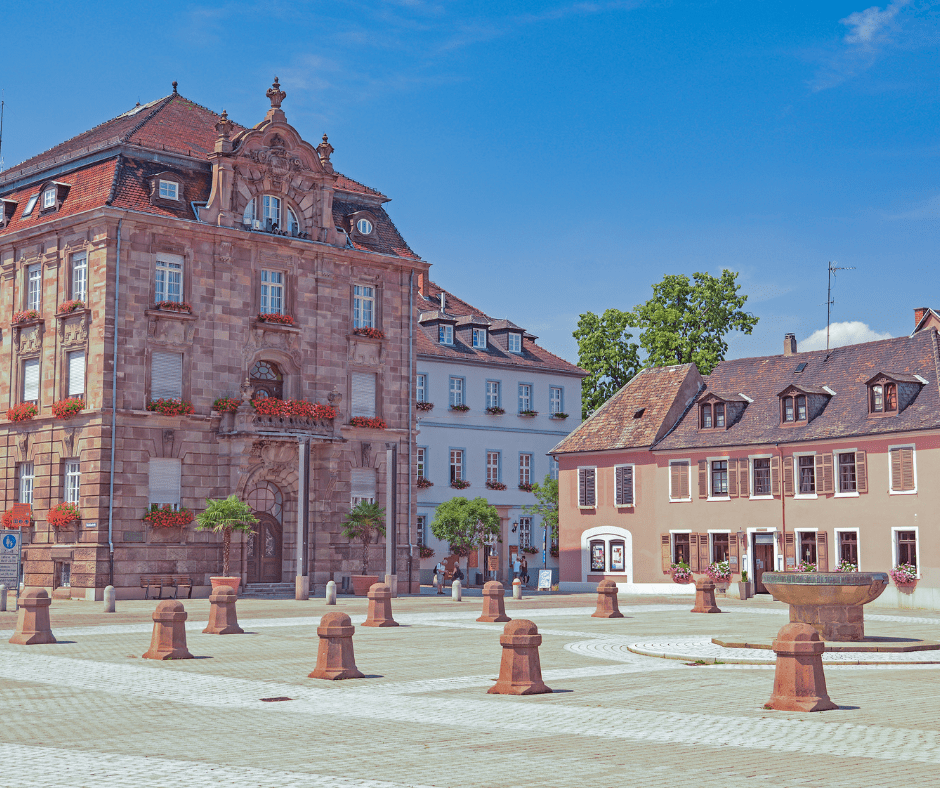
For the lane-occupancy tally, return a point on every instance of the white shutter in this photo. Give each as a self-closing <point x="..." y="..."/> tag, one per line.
<point x="166" y="376"/>
<point x="363" y="394"/>
<point x="76" y="362"/>
<point x="362" y="484"/>
<point x="31" y="380"/>
<point x="165" y="481"/>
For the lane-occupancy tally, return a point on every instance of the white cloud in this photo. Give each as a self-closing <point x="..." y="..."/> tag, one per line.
<point x="864" y="26"/>
<point x="851" y="332"/>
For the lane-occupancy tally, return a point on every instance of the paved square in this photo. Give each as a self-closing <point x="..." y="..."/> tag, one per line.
<point x="89" y="711"/>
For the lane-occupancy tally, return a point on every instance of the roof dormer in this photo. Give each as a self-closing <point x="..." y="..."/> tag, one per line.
<point x="51" y="196"/>
<point x="166" y="189"/>
<point x="720" y="411"/>
<point x="800" y="404"/>
<point x="440" y="326"/>
<point x="361" y="226"/>
<point x="889" y="393"/>
<point x="7" y="209"/>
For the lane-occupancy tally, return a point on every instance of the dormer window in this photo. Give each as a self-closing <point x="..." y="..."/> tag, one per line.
<point x="884" y="398"/>
<point x="7" y="209"/>
<point x="479" y="338"/>
<point x="515" y="342"/>
<point x="794" y="409"/>
<point x="706" y="419"/>
<point x="364" y="226"/>
<point x="30" y="205"/>
<point x="712" y="416"/>
<point x="265" y="213"/>
<point x="48" y="198"/>
<point x="169" y="190"/>
<point x="446" y="334"/>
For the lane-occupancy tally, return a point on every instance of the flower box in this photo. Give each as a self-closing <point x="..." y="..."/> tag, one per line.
<point x="171" y="407"/>
<point x="846" y="566"/>
<point x="23" y="412"/>
<point x="174" y="306"/>
<point x="63" y="514"/>
<point x="423" y="483"/>
<point x="26" y="316"/>
<point x="371" y="333"/>
<point x="460" y="408"/>
<point x="681" y="574"/>
<point x="495" y="486"/>
<point x="362" y="421"/>
<point x="904" y="574"/>
<point x="460" y="484"/>
<point x="805" y="566"/>
<point x="166" y="517"/>
<point x="271" y="406"/>
<point x="226" y="404"/>
<point x="424" y="406"/>
<point x="495" y="411"/>
<point x="67" y="307"/>
<point x="559" y="416"/>
<point x="528" y="413"/>
<point x="525" y="487"/>
<point x="530" y="550"/>
<point x="273" y="317"/>
<point x="66" y="408"/>
<point x="719" y="572"/>
<point x="425" y="552"/>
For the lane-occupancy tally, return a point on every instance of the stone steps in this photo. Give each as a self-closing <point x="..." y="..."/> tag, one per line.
<point x="269" y="590"/>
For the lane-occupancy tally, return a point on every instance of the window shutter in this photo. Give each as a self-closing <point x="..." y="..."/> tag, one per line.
<point x="822" y="552"/>
<point x="733" y="557"/>
<point x="742" y="543"/>
<point x="907" y="468"/>
<point x="703" y="559"/>
<point x="789" y="551"/>
<point x="733" y="478"/>
<point x="628" y="486"/>
<point x="166" y="376"/>
<point x="702" y="478"/>
<point x="362" y="483"/>
<point x="775" y="476"/>
<point x="582" y="489"/>
<point x="31" y="380"/>
<point x="589" y="487"/>
<point x="861" y="472"/>
<point x="666" y="552"/>
<point x="744" y="478"/>
<point x="896" y="483"/>
<point x="693" y="553"/>
<point x="827" y="479"/>
<point x="788" y="476"/>
<point x="684" y="491"/>
<point x="76" y="362"/>
<point x="674" y="481"/>
<point x="618" y="479"/>
<point x="819" y="473"/>
<point x="363" y="394"/>
<point x="165" y="477"/>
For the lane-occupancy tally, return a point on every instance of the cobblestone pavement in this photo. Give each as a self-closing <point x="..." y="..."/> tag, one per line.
<point x="88" y="711"/>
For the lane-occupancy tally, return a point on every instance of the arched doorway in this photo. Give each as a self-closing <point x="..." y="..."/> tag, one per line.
<point x="264" y="549"/>
<point x="266" y="379"/>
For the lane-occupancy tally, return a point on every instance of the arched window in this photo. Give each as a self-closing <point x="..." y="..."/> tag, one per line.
<point x="266" y="380"/>
<point x="265" y="213"/>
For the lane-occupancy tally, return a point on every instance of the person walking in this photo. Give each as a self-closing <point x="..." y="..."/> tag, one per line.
<point x="516" y="566"/>
<point x="524" y="571"/>
<point x="439" y="577"/>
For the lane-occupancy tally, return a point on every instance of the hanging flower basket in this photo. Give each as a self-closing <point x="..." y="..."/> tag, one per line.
<point x="174" y="306"/>
<point x="23" y="412"/>
<point x="460" y="484"/>
<point x="66" y="408"/>
<point x="425" y="552"/>
<point x="681" y="573"/>
<point x="424" y="406"/>
<point x="273" y="317"/>
<point x="25" y="316"/>
<point x="362" y="421"/>
<point x="460" y="408"/>
<point x="271" y="406"/>
<point x="372" y="333"/>
<point x="525" y="487"/>
<point x="423" y="483"/>
<point x="904" y="575"/>
<point x="494" y="411"/>
<point x="845" y="566"/>
<point x="226" y="404"/>
<point x="8" y="523"/>
<point x="171" y="407"/>
<point x="166" y="517"/>
<point x="719" y="572"/>
<point x="66" y="307"/>
<point x="495" y="486"/>
<point x="63" y="514"/>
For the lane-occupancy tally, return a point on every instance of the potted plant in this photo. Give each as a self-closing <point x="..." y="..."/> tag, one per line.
<point x="681" y="573"/>
<point x="495" y="486"/>
<point x="363" y="421"/>
<point x="805" y="566"/>
<point x="561" y="416"/>
<point x="424" y="406"/>
<point x="745" y="587"/>
<point x="460" y="408"/>
<point x="63" y="514"/>
<point x="423" y="483"/>
<point x="274" y="317"/>
<point x="371" y="333"/>
<point x="171" y="407"/>
<point x="66" y="408"/>
<point x="26" y="316"/>
<point x="720" y="574"/>
<point x="174" y="306"/>
<point x="67" y="307"/>
<point x="364" y="521"/>
<point x="846" y="566"/>
<point x="495" y="411"/>
<point x="904" y="576"/>
<point x="525" y="487"/>
<point x="528" y="413"/>
<point x="167" y="517"/>
<point x="425" y="552"/>
<point x="459" y="484"/>
<point x="530" y="550"/>
<point x="22" y="412"/>
<point x="223" y="516"/>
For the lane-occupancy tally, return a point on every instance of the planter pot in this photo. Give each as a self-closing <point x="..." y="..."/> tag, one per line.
<point x="234" y="582"/>
<point x="745" y="589"/>
<point x="362" y="583"/>
<point x="722" y="586"/>
<point x="906" y="588"/>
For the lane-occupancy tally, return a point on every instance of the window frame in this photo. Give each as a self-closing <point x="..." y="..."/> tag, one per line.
<point x="177" y="464"/>
<point x="461" y="455"/>
<point x="586" y="505"/>
<point x="712" y="533"/>
<point x="797" y="544"/>
<point x="421" y="462"/>
<point x="269" y="289"/>
<point x="421" y="387"/>
<point x="25" y="482"/>
<point x="633" y="495"/>
<point x="78" y="261"/>
<point x="687" y="462"/>
<point x="896" y="547"/>
<point x="764" y="496"/>
<point x="72" y="481"/>
<point x="913" y="448"/>
<point x="476" y="333"/>
<point x="838" y="545"/>
<point x="168" y="193"/>
<point x="514" y="342"/>
<point x="365" y="306"/>
<point x="445" y="334"/>
<point x="67" y="377"/>
<point x="672" y="544"/>
<point x="837" y="473"/>
<point x="525" y="531"/>
<point x="493" y="466"/>
<point x="33" y="290"/>
<point x="22" y="387"/>
<point x="554" y="407"/>
<point x="796" y="476"/>
<point x="168" y="267"/>
<point x="527" y="397"/>
<point x="712" y="495"/>
<point x="453" y="391"/>
<point x="48" y="198"/>
<point x="705" y="422"/>
<point x="525" y="469"/>
<point x="488" y="395"/>
<point x="553" y="468"/>
<point x="421" y="526"/>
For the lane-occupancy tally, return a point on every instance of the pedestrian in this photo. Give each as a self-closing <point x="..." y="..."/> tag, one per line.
<point x="458" y="575"/>
<point x="439" y="577"/>
<point x="524" y="571"/>
<point x="516" y="566"/>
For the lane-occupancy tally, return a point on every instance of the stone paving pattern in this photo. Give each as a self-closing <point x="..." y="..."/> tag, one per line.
<point x="88" y="711"/>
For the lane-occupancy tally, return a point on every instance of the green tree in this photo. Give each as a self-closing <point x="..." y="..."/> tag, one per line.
<point x="606" y="352"/>
<point x="223" y="516"/>
<point x="465" y="524"/>
<point x="686" y="321"/>
<point x="546" y="494"/>
<point x="364" y="521"/>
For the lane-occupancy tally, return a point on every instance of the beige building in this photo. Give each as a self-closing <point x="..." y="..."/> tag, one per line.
<point x="170" y="255"/>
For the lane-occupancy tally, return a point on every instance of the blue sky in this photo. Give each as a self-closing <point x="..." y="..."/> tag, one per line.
<point x="558" y="157"/>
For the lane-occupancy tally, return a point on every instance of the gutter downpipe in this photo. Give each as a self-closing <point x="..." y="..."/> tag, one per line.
<point x="783" y="508"/>
<point x="411" y="437"/>
<point x="117" y="313"/>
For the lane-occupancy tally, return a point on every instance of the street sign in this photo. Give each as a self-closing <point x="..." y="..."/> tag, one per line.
<point x="10" y="550"/>
<point x="22" y="515"/>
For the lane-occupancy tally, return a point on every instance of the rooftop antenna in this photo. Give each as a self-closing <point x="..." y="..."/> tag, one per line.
<point x="829" y="301"/>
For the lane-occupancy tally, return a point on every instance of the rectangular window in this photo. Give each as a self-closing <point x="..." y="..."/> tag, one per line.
<point x="362" y="485"/>
<point x="720" y="547"/>
<point x="719" y="415"/>
<point x="169" y="190"/>
<point x="27" y="476"/>
<point x="168" y="279"/>
<point x="719" y="479"/>
<point x="492" y="466"/>
<point x="479" y="338"/>
<point x="681" y="550"/>
<point x="79" y="276"/>
<point x="807" y="546"/>
<point x="906" y="547"/>
<point x="63" y="574"/>
<point x="456" y="464"/>
<point x="456" y="391"/>
<point x="272" y="292"/>
<point x="166" y="376"/>
<point x="48" y="198"/>
<point x="421" y="455"/>
<point x="445" y="334"/>
<point x="363" y="307"/>
<point x="679" y="481"/>
<point x="847" y="478"/>
<point x="272" y="211"/>
<point x="788" y="408"/>
<point x="421" y="388"/>
<point x="848" y="547"/>
<point x="623" y="477"/>
<point x="617" y="556"/>
<point x="73" y="481"/>
<point x="598" y="556"/>
<point x="525" y="532"/>
<point x="761" y="468"/>
<point x="525" y="397"/>
<point x="75" y="361"/>
<point x="806" y="468"/>
<point x="587" y="487"/>
<point x="515" y="343"/>
<point x="706" y="419"/>
<point x="492" y="394"/>
<point x="363" y="394"/>
<point x="421" y="528"/>
<point x="553" y="468"/>
<point x="902" y="469"/>
<point x="165" y="479"/>
<point x="31" y="380"/>
<point x="34" y="287"/>
<point x="525" y="469"/>
<point x="555" y="404"/>
<point x="801" y="408"/>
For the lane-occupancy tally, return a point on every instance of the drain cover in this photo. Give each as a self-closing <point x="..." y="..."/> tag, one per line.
<point x="274" y="700"/>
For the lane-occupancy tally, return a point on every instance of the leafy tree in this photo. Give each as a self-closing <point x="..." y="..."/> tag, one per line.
<point x="223" y="516"/>
<point x="605" y="350"/>
<point x="364" y="521"/>
<point x="546" y="494"/>
<point x="465" y="524"/>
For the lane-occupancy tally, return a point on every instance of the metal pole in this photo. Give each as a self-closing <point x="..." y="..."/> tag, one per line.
<point x="389" y="517"/>
<point x="301" y="588"/>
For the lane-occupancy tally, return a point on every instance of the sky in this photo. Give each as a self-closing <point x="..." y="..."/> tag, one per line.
<point x="554" y="158"/>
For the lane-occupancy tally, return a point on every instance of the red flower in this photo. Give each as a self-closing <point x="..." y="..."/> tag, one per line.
<point x="166" y="516"/>
<point x="71" y="306"/>
<point x="362" y="421"/>
<point x="63" y="514"/>
<point x="66" y="408"/>
<point x="25" y="315"/>
<point x="372" y="333"/>
<point x="171" y="407"/>
<point x="271" y="406"/>
<point x="22" y="412"/>
<point x="273" y="317"/>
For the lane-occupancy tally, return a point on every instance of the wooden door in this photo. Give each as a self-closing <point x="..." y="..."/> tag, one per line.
<point x="763" y="562"/>
<point x="265" y="551"/>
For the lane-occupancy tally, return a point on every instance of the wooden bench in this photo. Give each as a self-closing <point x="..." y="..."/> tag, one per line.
<point x="159" y="582"/>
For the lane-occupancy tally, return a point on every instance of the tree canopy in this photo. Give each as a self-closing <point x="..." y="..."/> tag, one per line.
<point x="546" y="494"/>
<point x="364" y="521"/>
<point x="465" y="524"/>
<point x="224" y="515"/>
<point x="605" y="350"/>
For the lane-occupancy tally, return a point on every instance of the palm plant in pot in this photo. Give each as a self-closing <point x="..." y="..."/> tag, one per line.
<point x="364" y="522"/>
<point x="223" y="516"/>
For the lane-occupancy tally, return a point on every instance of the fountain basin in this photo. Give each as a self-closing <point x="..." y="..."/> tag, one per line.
<point x="830" y="602"/>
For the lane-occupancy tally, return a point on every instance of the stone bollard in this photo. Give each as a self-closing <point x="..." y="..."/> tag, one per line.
<point x="517" y="589"/>
<point x="380" y="607"/>
<point x="607" y="605"/>
<point x="222" y="617"/>
<point x="494" y="606"/>
<point x="335" y="658"/>
<point x="456" y="591"/>
<point x="3" y="598"/>
<point x="705" y="596"/>
<point x="520" y="672"/>
<point x="109" y="606"/>
<point x="32" y="623"/>
<point x="331" y="592"/>
<point x="169" y="632"/>
<point x="799" y="682"/>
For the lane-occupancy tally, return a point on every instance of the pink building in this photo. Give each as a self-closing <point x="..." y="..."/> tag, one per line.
<point x="818" y="458"/>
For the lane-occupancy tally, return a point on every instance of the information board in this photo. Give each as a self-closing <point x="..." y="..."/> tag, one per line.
<point x="545" y="579"/>
<point x="10" y="544"/>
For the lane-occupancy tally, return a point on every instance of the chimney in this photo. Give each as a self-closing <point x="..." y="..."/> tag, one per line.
<point x="443" y="304"/>
<point x="789" y="344"/>
<point x="919" y="313"/>
<point x="423" y="285"/>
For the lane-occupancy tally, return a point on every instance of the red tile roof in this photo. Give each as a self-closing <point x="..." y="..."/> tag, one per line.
<point x="388" y="239"/>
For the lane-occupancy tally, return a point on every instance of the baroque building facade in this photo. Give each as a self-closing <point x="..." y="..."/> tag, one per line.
<point x="171" y="257"/>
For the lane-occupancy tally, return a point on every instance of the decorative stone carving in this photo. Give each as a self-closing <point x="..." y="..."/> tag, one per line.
<point x="262" y="336"/>
<point x="366" y="455"/>
<point x="22" y="446"/>
<point x="29" y="340"/>
<point x="324" y="151"/>
<point x="276" y="94"/>
<point x="171" y="330"/>
<point x="225" y="252"/>
<point x="73" y="330"/>
<point x="68" y="442"/>
<point x="368" y="354"/>
<point x="168" y="443"/>
<point x="278" y="161"/>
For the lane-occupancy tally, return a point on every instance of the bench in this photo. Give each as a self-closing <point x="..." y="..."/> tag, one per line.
<point x="158" y="582"/>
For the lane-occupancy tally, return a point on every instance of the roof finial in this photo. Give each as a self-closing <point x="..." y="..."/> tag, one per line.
<point x="224" y="126"/>
<point x="174" y="87"/>
<point x="324" y="149"/>
<point x="276" y="94"/>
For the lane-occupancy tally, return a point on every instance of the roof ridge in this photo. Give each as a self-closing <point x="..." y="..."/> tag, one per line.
<point x="161" y="103"/>
<point x="118" y="166"/>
